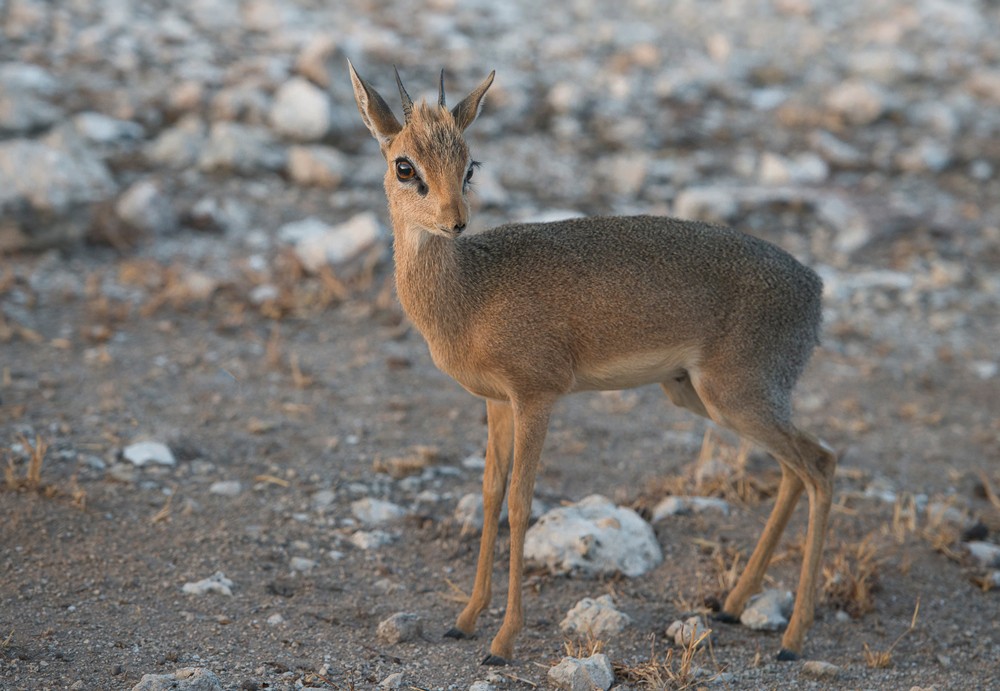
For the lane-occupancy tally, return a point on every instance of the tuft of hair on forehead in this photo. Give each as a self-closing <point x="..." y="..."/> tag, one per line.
<point x="432" y="132"/>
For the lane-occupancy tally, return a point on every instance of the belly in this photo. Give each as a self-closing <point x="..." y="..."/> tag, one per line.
<point x="633" y="369"/>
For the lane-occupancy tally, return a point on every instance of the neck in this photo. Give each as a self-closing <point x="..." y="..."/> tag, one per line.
<point x="427" y="281"/>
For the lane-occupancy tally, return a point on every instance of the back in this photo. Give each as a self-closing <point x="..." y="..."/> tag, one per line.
<point x="639" y="272"/>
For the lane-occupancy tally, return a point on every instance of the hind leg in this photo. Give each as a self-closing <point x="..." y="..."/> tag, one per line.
<point x="760" y="415"/>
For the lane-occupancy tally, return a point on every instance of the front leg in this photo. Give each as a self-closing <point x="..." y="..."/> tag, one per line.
<point x="531" y="421"/>
<point x="500" y="439"/>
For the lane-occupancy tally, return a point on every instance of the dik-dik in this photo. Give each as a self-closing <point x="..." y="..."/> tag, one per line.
<point x="527" y="312"/>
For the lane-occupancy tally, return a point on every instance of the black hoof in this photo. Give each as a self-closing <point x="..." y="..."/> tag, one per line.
<point x="456" y="634"/>
<point x="493" y="661"/>
<point x="785" y="655"/>
<point x="725" y="618"/>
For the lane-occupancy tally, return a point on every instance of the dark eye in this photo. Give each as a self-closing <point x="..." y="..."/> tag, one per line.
<point x="472" y="169"/>
<point x="405" y="170"/>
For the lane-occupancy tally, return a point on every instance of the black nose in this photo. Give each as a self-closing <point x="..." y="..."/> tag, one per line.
<point x="458" y="228"/>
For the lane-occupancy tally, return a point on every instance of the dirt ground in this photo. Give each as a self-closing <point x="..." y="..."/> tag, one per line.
<point x="862" y="137"/>
<point x="94" y="560"/>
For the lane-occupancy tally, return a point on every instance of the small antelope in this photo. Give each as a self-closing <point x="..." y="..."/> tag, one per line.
<point x="525" y="313"/>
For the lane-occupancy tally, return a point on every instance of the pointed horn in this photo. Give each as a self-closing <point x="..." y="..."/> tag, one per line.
<point x="441" y="91"/>
<point x="407" y="101"/>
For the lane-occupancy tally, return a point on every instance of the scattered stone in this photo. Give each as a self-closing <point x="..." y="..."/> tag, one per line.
<point x="226" y="488"/>
<point x="687" y="631"/>
<point x="768" y="611"/>
<point x="103" y="129"/>
<point x="216" y="583"/>
<point x="319" y="58"/>
<point x="586" y="674"/>
<point x="680" y="506"/>
<point x="820" y="669"/>
<point x="591" y="538"/>
<point x="275" y="619"/>
<point x="48" y="192"/>
<point x="178" y="146"/>
<point x="598" y="618"/>
<point x="399" y="628"/>
<point x="469" y="513"/>
<point x="320" y="166"/>
<point x="244" y="149"/>
<point x="301" y="111"/>
<point x="857" y="102"/>
<point x="482" y="686"/>
<point x="986" y="553"/>
<point x="376" y="511"/>
<point x="301" y="564"/>
<point x="319" y="244"/>
<point x="802" y="169"/>
<point x="371" y="539"/>
<point x="144" y="207"/>
<point x="185" y="679"/>
<point x="149" y="452"/>
<point x="393" y="681"/>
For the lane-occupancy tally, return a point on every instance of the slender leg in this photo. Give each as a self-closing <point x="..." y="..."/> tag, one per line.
<point x="753" y="573"/>
<point x="500" y="439"/>
<point x="820" y="464"/>
<point x="756" y="413"/>
<point x="531" y="421"/>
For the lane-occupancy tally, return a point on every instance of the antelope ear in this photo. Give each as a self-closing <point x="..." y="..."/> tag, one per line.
<point x="374" y="112"/>
<point x="466" y="111"/>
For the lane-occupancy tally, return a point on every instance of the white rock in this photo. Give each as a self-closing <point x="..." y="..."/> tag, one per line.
<point x="47" y="191"/>
<point x="275" y="619"/>
<point x="301" y="564"/>
<point x="714" y="204"/>
<point x="318" y="244"/>
<point x="376" y="511"/>
<point x="145" y="452"/>
<point x="857" y="102"/>
<point x="323" y="499"/>
<point x="370" y="539"/>
<point x="393" y="681"/>
<point x="178" y="146"/>
<point x="400" y="627"/>
<point x="593" y="537"/>
<point x="847" y="221"/>
<point x="216" y="583"/>
<point x="687" y="631"/>
<point x="314" y="61"/>
<point x="482" y="686"/>
<point x="587" y="674"/>
<point x="820" y="669"/>
<point x="768" y="611"/>
<point x="185" y="679"/>
<point x="301" y="111"/>
<point x="226" y="488"/>
<point x="320" y="166"/>
<point x="678" y="506"/>
<point x="595" y="617"/>
<point x="240" y="148"/>
<point x="803" y="169"/>
<point x="986" y="553"/>
<point x="103" y="129"/>
<point x="144" y="207"/>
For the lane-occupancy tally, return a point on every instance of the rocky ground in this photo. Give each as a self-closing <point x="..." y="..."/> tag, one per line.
<point x="195" y="254"/>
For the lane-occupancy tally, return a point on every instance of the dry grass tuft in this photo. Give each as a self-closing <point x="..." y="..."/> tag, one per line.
<point x="850" y="576"/>
<point x="880" y="659"/>
<point x="721" y="470"/>
<point x="584" y="648"/>
<point x="32" y="480"/>
<point x="671" y="670"/>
